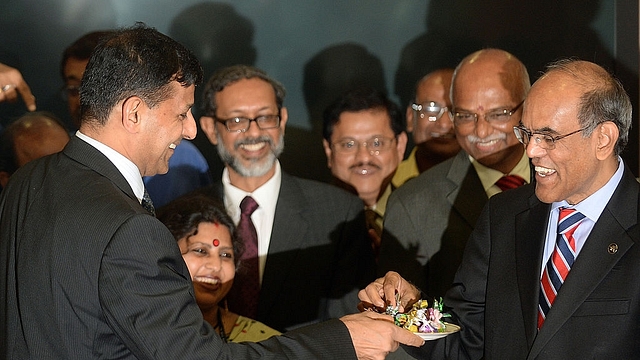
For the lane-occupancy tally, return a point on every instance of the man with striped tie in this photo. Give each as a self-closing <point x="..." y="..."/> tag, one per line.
<point x="551" y="270"/>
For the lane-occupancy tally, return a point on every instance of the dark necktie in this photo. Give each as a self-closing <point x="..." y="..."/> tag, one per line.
<point x="373" y="225"/>
<point x="243" y="298"/>
<point x="372" y="220"/>
<point x="147" y="204"/>
<point x="509" y="182"/>
<point x="560" y="261"/>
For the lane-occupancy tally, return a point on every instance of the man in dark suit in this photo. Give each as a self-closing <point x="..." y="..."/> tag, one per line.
<point x="313" y="251"/>
<point x="429" y="219"/>
<point x="575" y="124"/>
<point x="87" y="272"/>
<point x="364" y="141"/>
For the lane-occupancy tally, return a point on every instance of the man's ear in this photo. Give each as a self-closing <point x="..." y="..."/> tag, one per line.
<point x="284" y="116"/>
<point x="607" y="134"/>
<point x="409" y="117"/>
<point x="132" y="112"/>
<point x="327" y="151"/>
<point x="208" y="126"/>
<point x="402" y="144"/>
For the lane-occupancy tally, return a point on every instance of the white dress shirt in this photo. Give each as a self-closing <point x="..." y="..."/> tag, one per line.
<point x="126" y="167"/>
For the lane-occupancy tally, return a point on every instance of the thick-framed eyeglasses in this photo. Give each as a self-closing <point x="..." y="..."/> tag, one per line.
<point x="431" y="110"/>
<point x="242" y="124"/>
<point x="545" y="141"/>
<point x="374" y="145"/>
<point x="496" y="117"/>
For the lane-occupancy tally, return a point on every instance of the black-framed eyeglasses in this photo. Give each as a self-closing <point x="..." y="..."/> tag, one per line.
<point x="430" y="110"/>
<point x="497" y="117"/>
<point x="545" y="141"/>
<point x="242" y="124"/>
<point x="375" y="145"/>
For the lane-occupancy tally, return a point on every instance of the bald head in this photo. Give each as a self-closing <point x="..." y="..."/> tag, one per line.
<point x="32" y="136"/>
<point x="37" y="137"/>
<point x="497" y="64"/>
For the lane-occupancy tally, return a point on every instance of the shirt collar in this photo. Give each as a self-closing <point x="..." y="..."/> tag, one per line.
<point x="126" y="167"/>
<point x="593" y="206"/>
<point x="266" y="195"/>
<point x="489" y="176"/>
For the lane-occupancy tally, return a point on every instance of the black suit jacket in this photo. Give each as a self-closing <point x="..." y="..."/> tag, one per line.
<point x="495" y="295"/>
<point x="87" y="273"/>
<point x="319" y="254"/>
<point x="427" y="223"/>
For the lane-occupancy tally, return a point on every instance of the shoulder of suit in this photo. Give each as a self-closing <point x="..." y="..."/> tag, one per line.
<point x="318" y="190"/>
<point x="521" y="197"/>
<point x="427" y="182"/>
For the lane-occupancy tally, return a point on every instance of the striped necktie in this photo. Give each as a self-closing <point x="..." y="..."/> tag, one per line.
<point x="560" y="262"/>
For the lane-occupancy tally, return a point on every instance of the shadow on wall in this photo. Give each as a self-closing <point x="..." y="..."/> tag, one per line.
<point x="331" y="72"/>
<point x="34" y="35"/>
<point x="219" y="37"/>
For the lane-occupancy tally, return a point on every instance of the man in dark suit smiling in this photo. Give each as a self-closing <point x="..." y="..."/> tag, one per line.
<point x="313" y="253"/>
<point x="87" y="272"/>
<point x="550" y="271"/>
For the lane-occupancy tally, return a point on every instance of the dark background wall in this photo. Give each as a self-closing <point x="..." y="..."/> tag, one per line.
<point x="318" y="48"/>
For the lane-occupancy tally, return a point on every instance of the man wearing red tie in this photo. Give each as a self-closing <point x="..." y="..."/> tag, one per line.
<point x="428" y="220"/>
<point x="550" y="271"/>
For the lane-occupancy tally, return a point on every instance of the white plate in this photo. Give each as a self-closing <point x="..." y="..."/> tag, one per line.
<point x="448" y="329"/>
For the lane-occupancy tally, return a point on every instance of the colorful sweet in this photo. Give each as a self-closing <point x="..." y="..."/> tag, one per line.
<point x="421" y="318"/>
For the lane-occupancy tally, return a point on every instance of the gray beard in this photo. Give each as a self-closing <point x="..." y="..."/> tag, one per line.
<point x="256" y="168"/>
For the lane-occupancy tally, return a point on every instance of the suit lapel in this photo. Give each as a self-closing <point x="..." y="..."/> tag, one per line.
<point x="468" y="196"/>
<point x="530" y="235"/>
<point x="289" y="229"/>
<point x="594" y="261"/>
<point x="91" y="157"/>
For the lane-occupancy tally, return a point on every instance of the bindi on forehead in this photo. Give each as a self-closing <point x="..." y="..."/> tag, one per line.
<point x="480" y="108"/>
<point x="216" y="242"/>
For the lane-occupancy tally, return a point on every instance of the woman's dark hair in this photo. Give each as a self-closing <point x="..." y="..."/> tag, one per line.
<point x="183" y="215"/>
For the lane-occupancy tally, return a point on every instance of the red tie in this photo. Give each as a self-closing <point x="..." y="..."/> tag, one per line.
<point x="243" y="297"/>
<point x="509" y="182"/>
<point x="560" y="262"/>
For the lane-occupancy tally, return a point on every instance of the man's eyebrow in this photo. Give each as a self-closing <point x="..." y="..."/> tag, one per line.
<point x="545" y="130"/>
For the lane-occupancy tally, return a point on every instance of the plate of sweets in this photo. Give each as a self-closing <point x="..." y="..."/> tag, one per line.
<point x="423" y="320"/>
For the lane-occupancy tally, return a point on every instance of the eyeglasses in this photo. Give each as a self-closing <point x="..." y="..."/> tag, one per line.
<point x="242" y="124"/>
<point x="497" y="117"/>
<point x="430" y="110"/>
<point x="375" y="145"/>
<point x="545" y="141"/>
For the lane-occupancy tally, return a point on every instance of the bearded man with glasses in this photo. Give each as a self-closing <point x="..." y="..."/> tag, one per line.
<point x="429" y="219"/>
<point x="312" y="247"/>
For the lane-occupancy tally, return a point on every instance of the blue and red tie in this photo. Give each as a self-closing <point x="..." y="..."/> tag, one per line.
<point x="560" y="261"/>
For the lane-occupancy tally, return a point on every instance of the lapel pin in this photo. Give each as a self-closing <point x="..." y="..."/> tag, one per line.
<point x="613" y="248"/>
